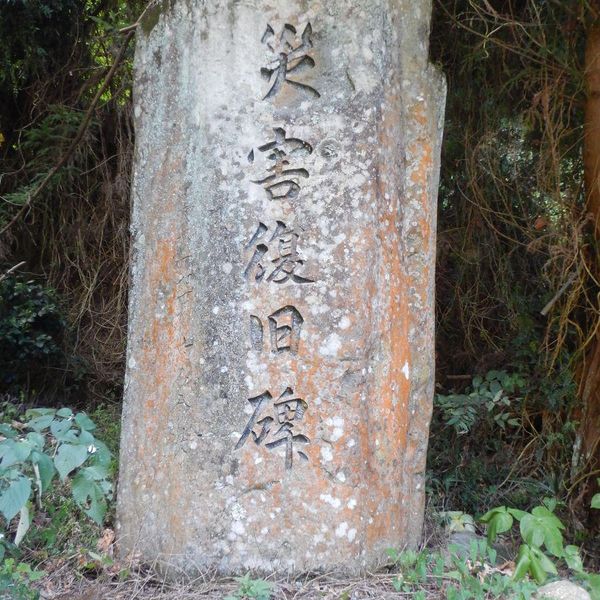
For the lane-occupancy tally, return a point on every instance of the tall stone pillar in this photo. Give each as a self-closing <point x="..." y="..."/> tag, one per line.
<point x="281" y="361"/>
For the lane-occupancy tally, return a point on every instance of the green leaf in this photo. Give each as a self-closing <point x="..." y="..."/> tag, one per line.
<point x="498" y="521"/>
<point x="553" y="541"/>
<point x="7" y="431"/>
<point x="85" y="422"/>
<point x="545" y="562"/>
<point x="64" y="413"/>
<point x="541" y="512"/>
<point x="593" y="581"/>
<point x="85" y="438"/>
<point x="46" y="468"/>
<point x="596" y="501"/>
<point x="531" y="531"/>
<point x="39" y="412"/>
<point x="68" y="458"/>
<point x="36" y="440"/>
<point x="550" y="504"/>
<point x="12" y="453"/>
<point x="101" y="454"/>
<point x="523" y="562"/>
<point x="573" y="559"/>
<point x="40" y="423"/>
<point x="536" y="569"/>
<point x="14" y="497"/>
<point x="60" y="429"/>
<point x="517" y="514"/>
<point x="543" y="527"/>
<point x="89" y="496"/>
<point x="99" y="472"/>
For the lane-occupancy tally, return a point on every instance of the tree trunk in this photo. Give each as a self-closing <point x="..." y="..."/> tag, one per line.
<point x="590" y="373"/>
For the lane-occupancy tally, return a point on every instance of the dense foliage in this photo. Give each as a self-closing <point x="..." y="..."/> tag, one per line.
<point x="515" y="255"/>
<point x="68" y="224"/>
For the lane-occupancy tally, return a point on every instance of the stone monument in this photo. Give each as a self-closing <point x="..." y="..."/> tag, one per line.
<point x="280" y="358"/>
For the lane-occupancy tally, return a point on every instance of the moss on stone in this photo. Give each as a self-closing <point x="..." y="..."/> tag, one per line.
<point x="153" y="14"/>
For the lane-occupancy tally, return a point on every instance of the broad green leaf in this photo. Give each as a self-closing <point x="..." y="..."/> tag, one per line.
<point x="12" y="452"/>
<point x="101" y="453"/>
<point x="36" y="440"/>
<point x="573" y="559"/>
<point x="536" y="569"/>
<point x="541" y="512"/>
<point x="499" y="522"/>
<point x="68" y="458"/>
<point x="46" y="468"/>
<point x="531" y="531"/>
<point x="59" y="429"/>
<point x="596" y="501"/>
<point x="523" y="562"/>
<point x="39" y="412"/>
<point x="64" y="413"/>
<point x="7" y="431"/>
<point x="85" y="438"/>
<point x="89" y="497"/>
<point x="40" y="423"/>
<point x="99" y="472"/>
<point x="593" y="581"/>
<point x="553" y="541"/>
<point x="545" y="562"/>
<point x="517" y="514"/>
<point x="23" y="526"/>
<point x="14" y="497"/>
<point x="490" y="513"/>
<point x="543" y="527"/>
<point x="85" y="422"/>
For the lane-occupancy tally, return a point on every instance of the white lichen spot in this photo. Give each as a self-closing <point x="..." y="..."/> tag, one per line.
<point x="341" y="476"/>
<point x="341" y="530"/>
<point x="238" y="528"/>
<point x="329" y="499"/>
<point x="326" y="454"/>
<point x="193" y="445"/>
<point x="351" y="535"/>
<point x="237" y="511"/>
<point x="331" y="346"/>
<point x="351" y="503"/>
<point x="258" y="460"/>
<point x="344" y="323"/>
<point x="405" y="370"/>
<point x="351" y="443"/>
<point x="215" y="310"/>
<point x="227" y="267"/>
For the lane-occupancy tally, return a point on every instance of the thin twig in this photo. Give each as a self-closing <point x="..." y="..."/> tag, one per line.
<point x="2" y="277"/>
<point x="560" y="292"/>
<point x="78" y="137"/>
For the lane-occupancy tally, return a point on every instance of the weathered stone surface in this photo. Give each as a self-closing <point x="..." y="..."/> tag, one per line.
<point x="280" y="360"/>
<point x="562" y="590"/>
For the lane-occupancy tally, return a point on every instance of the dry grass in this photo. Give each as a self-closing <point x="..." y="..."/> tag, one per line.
<point x="64" y="584"/>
